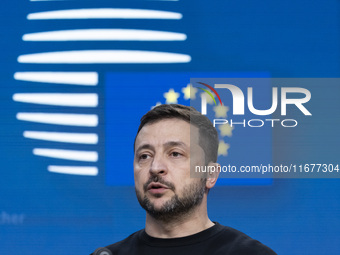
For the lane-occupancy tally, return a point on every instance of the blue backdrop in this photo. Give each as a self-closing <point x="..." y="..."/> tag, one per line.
<point x="60" y="192"/>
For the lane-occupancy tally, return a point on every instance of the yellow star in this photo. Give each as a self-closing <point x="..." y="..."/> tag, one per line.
<point x="226" y="130"/>
<point x="221" y="111"/>
<point x="157" y="104"/>
<point x="171" y="96"/>
<point x="208" y="97"/>
<point x="189" y="92"/>
<point x="223" y="148"/>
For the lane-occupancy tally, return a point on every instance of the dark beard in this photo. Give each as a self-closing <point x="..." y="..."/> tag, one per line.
<point x="176" y="206"/>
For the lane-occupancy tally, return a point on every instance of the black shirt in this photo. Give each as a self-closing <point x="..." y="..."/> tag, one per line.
<point x="216" y="240"/>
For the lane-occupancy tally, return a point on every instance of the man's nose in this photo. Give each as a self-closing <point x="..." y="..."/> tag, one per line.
<point x="158" y="166"/>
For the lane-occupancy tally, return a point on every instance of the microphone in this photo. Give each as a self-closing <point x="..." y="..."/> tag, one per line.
<point x="102" y="251"/>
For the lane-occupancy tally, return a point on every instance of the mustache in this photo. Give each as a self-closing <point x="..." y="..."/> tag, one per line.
<point x="158" y="179"/>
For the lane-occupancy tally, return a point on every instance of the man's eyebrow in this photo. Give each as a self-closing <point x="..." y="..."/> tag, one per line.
<point x="175" y="143"/>
<point x="145" y="146"/>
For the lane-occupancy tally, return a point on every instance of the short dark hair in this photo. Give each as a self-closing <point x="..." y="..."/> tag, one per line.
<point x="208" y="136"/>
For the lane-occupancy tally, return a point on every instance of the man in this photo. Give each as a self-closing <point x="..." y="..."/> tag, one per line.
<point x="170" y="140"/>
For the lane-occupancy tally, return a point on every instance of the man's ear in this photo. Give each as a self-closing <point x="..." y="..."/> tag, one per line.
<point x="212" y="175"/>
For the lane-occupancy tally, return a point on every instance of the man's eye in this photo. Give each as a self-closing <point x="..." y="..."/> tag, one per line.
<point x="144" y="156"/>
<point x="175" y="154"/>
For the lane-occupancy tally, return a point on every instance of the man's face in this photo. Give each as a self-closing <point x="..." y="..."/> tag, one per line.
<point x="162" y="168"/>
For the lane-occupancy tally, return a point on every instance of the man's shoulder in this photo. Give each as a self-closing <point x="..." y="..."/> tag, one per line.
<point x="124" y="245"/>
<point x="240" y="243"/>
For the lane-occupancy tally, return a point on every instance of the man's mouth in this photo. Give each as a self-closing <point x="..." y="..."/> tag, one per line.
<point x="156" y="188"/>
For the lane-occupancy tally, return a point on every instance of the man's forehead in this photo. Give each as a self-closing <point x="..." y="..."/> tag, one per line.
<point x="167" y="130"/>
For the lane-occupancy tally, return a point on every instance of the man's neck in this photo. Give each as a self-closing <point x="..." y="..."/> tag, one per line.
<point x="188" y="224"/>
